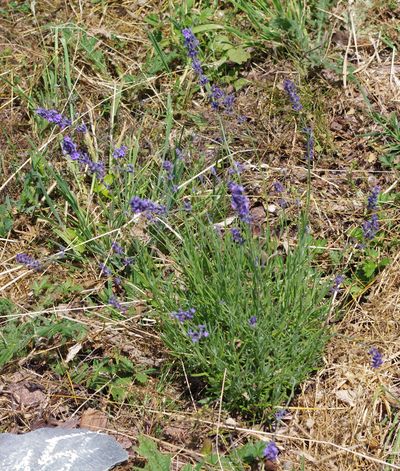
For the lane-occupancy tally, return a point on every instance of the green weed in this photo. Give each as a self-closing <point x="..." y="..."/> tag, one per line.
<point x="239" y="458"/>
<point x="389" y="137"/>
<point x="289" y="24"/>
<point x="16" y="338"/>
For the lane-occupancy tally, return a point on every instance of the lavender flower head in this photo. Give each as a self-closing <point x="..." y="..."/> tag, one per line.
<point x="373" y="198"/>
<point x="220" y="100"/>
<point x="130" y="168"/>
<point x="187" y="206"/>
<point x="271" y="451"/>
<point x="182" y="315"/>
<point x="237" y="168"/>
<point x="196" y="335"/>
<point x="253" y="321"/>
<point x="128" y="261"/>
<point x="69" y="147"/>
<point x="53" y="116"/>
<point x="120" y="152"/>
<point x="104" y="270"/>
<point x="168" y="166"/>
<point x="376" y="360"/>
<point x="228" y="102"/>
<point x="290" y="89"/>
<point x="336" y="284"/>
<point x="116" y="248"/>
<point x="239" y="202"/>
<point x="191" y="44"/>
<point x="237" y="236"/>
<point x="370" y="227"/>
<point x="113" y="301"/>
<point x="28" y="261"/>
<point x="179" y="154"/>
<point x="95" y="168"/>
<point x="142" y="205"/>
<point x="117" y="281"/>
<point x="81" y="128"/>
<point x="278" y="187"/>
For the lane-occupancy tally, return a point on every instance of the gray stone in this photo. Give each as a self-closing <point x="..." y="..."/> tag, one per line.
<point x="58" y="449"/>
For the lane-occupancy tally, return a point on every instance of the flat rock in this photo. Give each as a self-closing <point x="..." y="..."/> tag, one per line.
<point x="57" y="449"/>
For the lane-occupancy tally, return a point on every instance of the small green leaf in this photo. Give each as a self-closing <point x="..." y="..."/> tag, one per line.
<point x="369" y="268"/>
<point x="141" y="377"/>
<point x="238" y="55"/>
<point x="222" y="43"/>
<point x="108" y="179"/>
<point x="240" y="83"/>
<point x="156" y="461"/>
<point x="205" y="28"/>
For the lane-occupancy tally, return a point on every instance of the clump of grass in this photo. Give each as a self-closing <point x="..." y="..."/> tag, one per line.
<point x="255" y="315"/>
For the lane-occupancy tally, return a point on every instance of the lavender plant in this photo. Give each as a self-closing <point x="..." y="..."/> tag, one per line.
<point x="258" y="325"/>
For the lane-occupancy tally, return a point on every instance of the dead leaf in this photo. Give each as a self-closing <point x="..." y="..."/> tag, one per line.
<point x="230" y="421"/>
<point x="124" y="441"/>
<point x="258" y="219"/>
<point x="72" y="352"/>
<point x="28" y="395"/>
<point x="347" y="396"/>
<point x="176" y="432"/>
<point x="93" y="419"/>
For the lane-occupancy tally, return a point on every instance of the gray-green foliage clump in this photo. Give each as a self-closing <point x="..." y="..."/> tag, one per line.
<point x="245" y="317"/>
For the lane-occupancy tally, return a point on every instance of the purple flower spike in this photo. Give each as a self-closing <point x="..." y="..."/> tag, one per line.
<point x="373" y="198"/>
<point x="253" y="321"/>
<point x="239" y="202"/>
<point x="104" y="270"/>
<point x="128" y="261"/>
<point x="187" y="206"/>
<point x="192" y="44"/>
<point x="376" y="360"/>
<point x="336" y="284"/>
<point x="120" y="152"/>
<point x="237" y="236"/>
<point x="179" y="154"/>
<point x="141" y="205"/>
<point x="82" y="128"/>
<point x="282" y="203"/>
<point x="117" y="281"/>
<point x="53" y="116"/>
<point x="117" y="248"/>
<point x="278" y="187"/>
<point x="28" y="261"/>
<point x="196" y="335"/>
<point x="182" y="315"/>
<point x="113" y="301"/>
<point x="168" y="166"/>
<point x="290" y="89"/>
<point x="69" y="147"/>
<point x="271" y="451"/>
<point x="130" y="168"/>
<point x="95" y="168"/>
<point x="371" y="227"/>
<point x="236" y="169"/>
<point x="220" y="100"/>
